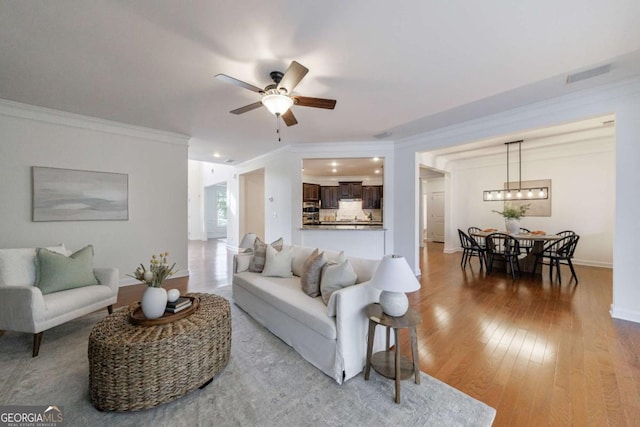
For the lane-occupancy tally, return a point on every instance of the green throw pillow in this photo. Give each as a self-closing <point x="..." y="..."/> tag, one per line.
<point x="57" y="272"/>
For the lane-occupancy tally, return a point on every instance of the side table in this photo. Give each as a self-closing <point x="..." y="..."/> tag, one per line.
<point x="391" y="364"/>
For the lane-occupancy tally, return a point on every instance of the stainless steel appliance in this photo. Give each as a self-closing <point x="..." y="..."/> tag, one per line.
<point x="310" y="213"/>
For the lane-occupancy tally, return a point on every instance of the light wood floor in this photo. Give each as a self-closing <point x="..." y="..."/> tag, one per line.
<point x="539" y="352"/>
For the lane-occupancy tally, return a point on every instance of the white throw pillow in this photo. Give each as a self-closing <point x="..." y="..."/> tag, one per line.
<point x="278" y="263"/>
<point x="243" y="261"/>
<point x="18" y="266"/>
<point x="335" y="277"/>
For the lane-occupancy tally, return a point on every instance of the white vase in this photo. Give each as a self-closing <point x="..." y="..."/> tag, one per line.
<point x="512" y="225"/>
<point x="154" y="301"/>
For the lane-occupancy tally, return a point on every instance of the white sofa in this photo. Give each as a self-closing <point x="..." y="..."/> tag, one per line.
<point x="332" y="337"/>
<point x="23" y="307"/>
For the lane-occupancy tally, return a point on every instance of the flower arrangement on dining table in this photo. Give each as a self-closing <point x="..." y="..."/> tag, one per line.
<point x="158" y="271"/>
<point x="511" y="212"/>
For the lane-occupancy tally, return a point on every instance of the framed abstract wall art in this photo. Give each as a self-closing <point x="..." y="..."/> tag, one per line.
<point x="77" y="195"/>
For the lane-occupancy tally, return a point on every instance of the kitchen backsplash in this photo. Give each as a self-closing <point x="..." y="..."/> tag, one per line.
<point x="350" y="211"/>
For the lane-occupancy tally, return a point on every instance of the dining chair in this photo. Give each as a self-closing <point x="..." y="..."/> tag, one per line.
<point x="525" y="244"/>
<point x="470" y="248"/>
<point x="558" y="252"/>
<point x="505" y="247"/>
<point x="479" y="240"/>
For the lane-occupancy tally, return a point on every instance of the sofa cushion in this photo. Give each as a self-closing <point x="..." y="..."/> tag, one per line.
<point x="18" y="266"/>
<point x="57" y="272"/>
<point x="260" y="254"/>
<point x="310" y="278"/>
<point x="300" y="255"/>
<point x="336" y="276"/>
<point x="285" y="295"/>
<point x="278" y="264"/>
<point x="65" y="303"/>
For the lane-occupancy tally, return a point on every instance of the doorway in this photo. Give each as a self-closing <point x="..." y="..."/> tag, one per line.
<point x="216" y="211"/>
<point x="251" y="218"/>
<point x="432" y="202"/>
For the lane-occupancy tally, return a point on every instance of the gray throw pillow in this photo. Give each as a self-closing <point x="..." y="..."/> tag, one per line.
<point x="57" y="272"/>
<point x="311" y="270"/>
<point x="335" y="277"/>
<point x="260" y="254"/>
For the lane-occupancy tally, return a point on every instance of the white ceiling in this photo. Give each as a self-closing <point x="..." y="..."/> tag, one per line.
<point x="401" y="68"/>
<point x="361" y="167"/>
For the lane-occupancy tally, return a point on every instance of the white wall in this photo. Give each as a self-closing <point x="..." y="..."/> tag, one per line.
<point x="622" y="99"/>
<point x="582" y="177"/>
<point x="156" y="163"/>
<point x="201" y="175"/>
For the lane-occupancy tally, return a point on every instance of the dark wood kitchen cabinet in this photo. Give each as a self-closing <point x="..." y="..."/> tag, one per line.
<point x="350" y="190"/>
<point x="371" y="197"/>
<point x="310" y="192"/>
<point x="329" y="197"/>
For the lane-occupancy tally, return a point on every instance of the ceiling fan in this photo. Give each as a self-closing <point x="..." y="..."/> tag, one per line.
<point x="277" y="96"/>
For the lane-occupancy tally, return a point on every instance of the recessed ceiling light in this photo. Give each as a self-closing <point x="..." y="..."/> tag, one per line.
<point x="216" y="155"/>
<point x="377" y="171"/>
<point x="334" y="170"/>
<point x="376" y="159"/>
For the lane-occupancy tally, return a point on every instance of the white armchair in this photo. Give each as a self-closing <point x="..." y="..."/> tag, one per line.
<point x="23" y="307"/>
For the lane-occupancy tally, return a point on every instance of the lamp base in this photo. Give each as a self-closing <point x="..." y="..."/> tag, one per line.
<point x="394" y="304"/>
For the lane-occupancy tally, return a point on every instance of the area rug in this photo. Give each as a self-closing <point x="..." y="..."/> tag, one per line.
<point x="266" y="383"/>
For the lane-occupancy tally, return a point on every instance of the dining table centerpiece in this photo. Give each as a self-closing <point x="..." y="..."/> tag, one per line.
<point x="512" y="215"/>
<point x="154" y="299"/>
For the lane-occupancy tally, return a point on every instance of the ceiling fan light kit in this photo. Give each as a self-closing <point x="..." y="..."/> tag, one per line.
<point x="277" y="103"/>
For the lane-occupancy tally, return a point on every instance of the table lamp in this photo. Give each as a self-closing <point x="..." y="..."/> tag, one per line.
<point x="394" y="277"/>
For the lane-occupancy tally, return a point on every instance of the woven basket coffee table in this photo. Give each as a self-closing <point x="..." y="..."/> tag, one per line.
<point x="133" y="367"/>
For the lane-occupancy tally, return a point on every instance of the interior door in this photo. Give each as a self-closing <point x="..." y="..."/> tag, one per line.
<point x="436" y="214"/>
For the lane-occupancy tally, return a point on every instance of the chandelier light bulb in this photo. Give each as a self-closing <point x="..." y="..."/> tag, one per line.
<point x="509" y="195"/>
<point x="541" y="193"/>
<point x="530" y="193"/>
<point x="499" y="195"/>
<point x="519" y="194"/>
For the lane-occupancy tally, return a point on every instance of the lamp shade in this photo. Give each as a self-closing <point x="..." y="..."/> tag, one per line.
<point x="277" y="104"/>
<point x="395" y="275"/>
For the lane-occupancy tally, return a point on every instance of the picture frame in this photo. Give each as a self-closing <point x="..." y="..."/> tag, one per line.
<point x="78" y="195"/>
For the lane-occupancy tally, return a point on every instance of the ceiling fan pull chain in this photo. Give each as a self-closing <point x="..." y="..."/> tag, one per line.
<point x="278" y="127"/>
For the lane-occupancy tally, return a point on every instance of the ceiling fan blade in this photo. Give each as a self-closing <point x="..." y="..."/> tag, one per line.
<point x="237" y="82"/>
<point x="247" y="108"/>
<point x="292" y="76"/>
<point x="306" y="101"/>
<point x="289" y="118"/>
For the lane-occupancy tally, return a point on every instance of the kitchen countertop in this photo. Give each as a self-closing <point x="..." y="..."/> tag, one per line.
<point x="344" y="226"/>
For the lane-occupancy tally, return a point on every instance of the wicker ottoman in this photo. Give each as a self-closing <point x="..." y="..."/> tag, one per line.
<point x="137" y="367"/>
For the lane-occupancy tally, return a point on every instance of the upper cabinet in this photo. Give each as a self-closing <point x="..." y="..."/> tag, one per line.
<point x="372" y="197"/>
<point x="329" y="197"/>
<point x="350" y="190"/>
<point x="310" y="192"/>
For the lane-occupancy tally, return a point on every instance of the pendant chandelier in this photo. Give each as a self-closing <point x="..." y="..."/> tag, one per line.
<point x="532" y="193"/>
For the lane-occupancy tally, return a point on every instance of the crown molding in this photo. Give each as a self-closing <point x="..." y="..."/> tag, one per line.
<point x="63" y="118"/>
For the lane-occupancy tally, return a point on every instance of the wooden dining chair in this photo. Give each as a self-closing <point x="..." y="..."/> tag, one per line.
<point x="526" y="244"/>
<point x="506" y="248"/>
<point x="470" y="248"/>
<point x="558" y="252"/>
<point x="479" y="240"/>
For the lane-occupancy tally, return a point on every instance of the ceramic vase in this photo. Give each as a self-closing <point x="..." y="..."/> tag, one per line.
<point x="154" y="301"/>
<point x="512" y="225"/>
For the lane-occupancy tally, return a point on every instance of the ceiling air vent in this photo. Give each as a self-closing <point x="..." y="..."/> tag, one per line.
<point x="229" y="161"/>
<point x="382" y="135"/>
<point x="587" y="74"/>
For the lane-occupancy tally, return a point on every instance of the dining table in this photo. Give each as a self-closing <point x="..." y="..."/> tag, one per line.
<point x="537" y="240"/>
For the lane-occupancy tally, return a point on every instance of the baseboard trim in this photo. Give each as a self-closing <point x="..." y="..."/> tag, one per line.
<point x="624" y="314"/>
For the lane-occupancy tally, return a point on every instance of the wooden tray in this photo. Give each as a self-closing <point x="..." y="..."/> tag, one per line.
<point x="136" y="316"/>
